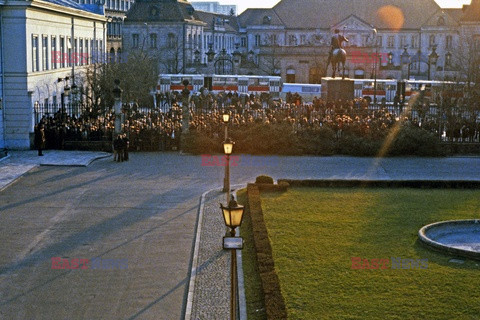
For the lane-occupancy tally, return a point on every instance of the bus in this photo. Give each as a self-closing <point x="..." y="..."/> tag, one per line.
<point x="389" y="88"/>
<point x="242" y="84"/>
<point x="307" y="91"/>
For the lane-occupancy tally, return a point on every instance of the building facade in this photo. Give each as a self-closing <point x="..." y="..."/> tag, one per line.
<point x="295" y="37"/>
<point x="45" y="47"/>
<point x="390" y="39"/>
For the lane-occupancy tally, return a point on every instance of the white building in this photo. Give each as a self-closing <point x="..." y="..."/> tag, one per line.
<point x="214" y="7"/>
<point x="44" y="45"/>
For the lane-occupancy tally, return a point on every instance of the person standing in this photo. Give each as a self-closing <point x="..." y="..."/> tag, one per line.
<point x="40" y="139"/>
<point x="126" y="145"/>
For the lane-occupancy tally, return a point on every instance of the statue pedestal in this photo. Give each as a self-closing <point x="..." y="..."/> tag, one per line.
<point x="334" y="89"/>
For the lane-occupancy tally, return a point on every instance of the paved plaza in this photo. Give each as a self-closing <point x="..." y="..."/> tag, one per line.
<point x="83" y="205"/>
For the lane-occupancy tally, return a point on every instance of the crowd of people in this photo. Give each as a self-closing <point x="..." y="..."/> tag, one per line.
<point x="159" y="128"/>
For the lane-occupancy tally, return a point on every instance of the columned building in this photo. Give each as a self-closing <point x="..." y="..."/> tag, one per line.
<point x="45" y="48"/>
<point x="294" y="38"/>
<point x="168" y="30"/>
<point x="394" y="39"/>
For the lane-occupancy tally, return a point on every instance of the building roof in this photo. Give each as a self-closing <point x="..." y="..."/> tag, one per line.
<point x="93" y="8"/>
<point x="455" y="13"/>
<point x="161" y="11"/>
<point x="256" y="17"/>
<point x="471" y="13"/>
<point x="322" y="14"/>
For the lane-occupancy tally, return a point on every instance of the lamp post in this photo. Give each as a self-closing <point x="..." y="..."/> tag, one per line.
<point x="66" y="93"/>
<point x="227" y="148"/>
<point x="375" y="68"/>
<point x="117" y="95"/>
<point x="405" y="57"/>
<point x="73" y="100"/>
<point x="226" y="180"/>
<point x="233" y="216"/>
<point x="432" y="59"/>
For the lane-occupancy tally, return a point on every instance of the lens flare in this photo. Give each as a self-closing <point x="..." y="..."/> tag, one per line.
<point x="392" y="17"/>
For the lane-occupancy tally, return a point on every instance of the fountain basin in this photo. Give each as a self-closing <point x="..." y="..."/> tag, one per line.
<point x="455" y="237"/>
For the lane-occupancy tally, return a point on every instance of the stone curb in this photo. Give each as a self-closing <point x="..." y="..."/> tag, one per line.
<point x="75" y="164"/>
<point x="5" y="158"/>
<point x="193" y="270"/>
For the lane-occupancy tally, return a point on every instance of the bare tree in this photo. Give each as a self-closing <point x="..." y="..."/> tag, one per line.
<point x="138" y="75"/>
<point x="269" y="60"/>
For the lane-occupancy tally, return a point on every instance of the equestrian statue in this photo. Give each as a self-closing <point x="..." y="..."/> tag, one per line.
<point x="337" y="55"/>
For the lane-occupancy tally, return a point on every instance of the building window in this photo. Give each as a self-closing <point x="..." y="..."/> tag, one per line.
<point x="441" y="21"/>
<point x="448" y="59"/>
<point x="448" y="42"/>
<point x="70" y="49"/>
<point x="45" y="53"/>
<point x="62" y="52"/>
<point x="290" y="75"/>
<point x="403" y="41"/>
<point x="292" y="40"/>
<point x="171" y="40"/>
<point x="303" y="39"/>
<point x="135" y="38"/>
<point x="55" y="53"/>
<point x="81" y="59"/>
<point x="75" y="52"/>
<point x="432" y="40"/>
<point x="257" y="40"/>
<point x="243" y="42"/>
<point x="153" y="40"/>
<point x="391" y="42"/>
<point x="414" y="42"/>
<point x="87" y="57"/>
<point x="35" y="62"/>
<point x="379" y="41"/>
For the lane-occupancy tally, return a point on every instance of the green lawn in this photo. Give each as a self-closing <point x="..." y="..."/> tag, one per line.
<point x="315" y="233"/>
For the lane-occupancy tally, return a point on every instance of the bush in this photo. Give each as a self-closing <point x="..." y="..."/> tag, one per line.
<point x="412" y="140"/>
<point x="264" y="179"/>
<point x="357" y="146"/>
<point x="195" y="142"/>
<point x="266" y="139"/>
<point x="317" y="142"/>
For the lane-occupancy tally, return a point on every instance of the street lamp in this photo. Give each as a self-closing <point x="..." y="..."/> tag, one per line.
<point x="233" y="216"/>
<point x="227" y="148"/>
<point x="210" y="53"/>
<point x="405" y="57"/>
<point x="196" y="55"/>
<point x="73" y="101"/>
<point x="226" y="119"/>
<point x="432" y="59"/>
<point x="375" y="68"/>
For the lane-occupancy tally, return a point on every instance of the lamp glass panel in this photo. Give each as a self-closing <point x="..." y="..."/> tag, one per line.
<point x="228" y="147"/>
<point x="236" y="215"/>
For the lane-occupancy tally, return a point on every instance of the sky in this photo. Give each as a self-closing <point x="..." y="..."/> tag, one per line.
<point x="244" y="4"/>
